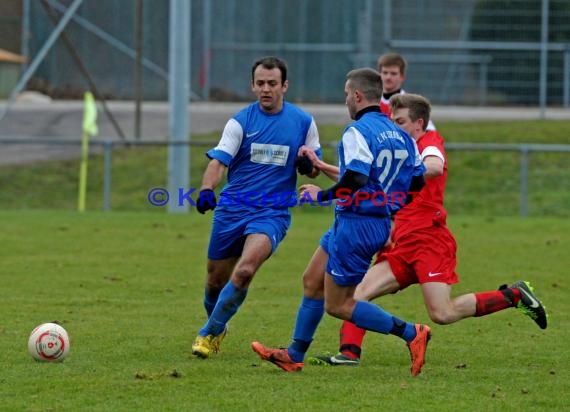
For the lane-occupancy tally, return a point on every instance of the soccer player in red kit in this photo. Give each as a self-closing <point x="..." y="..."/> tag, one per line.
<point x="423" y="249"/>
<point x="392" y="68"/>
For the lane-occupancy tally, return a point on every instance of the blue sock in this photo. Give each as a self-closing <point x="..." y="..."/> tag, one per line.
<point x="369" y="316"/>
<point x="229" y="301"/>
<point x="210" y="299"/>
<point x="308" y="318"/>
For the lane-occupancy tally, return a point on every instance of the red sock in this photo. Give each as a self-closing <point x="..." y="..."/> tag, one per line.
<point x="351" y="337"/>
<point x="490" y="302"/>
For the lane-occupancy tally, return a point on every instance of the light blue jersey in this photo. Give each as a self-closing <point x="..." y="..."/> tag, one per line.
<point x="259" y="150"/>
<point x="374" y="146"/>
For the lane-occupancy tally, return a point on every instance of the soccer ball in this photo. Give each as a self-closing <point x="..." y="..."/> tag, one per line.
<point x="49" y="342"/>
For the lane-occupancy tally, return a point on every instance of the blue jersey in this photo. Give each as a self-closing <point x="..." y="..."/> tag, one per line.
<point x="374" y="146"/>
<point x="259" y="150"/>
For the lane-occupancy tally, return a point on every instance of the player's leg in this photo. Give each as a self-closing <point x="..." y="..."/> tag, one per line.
<point x="372" y="317"/>
<point x="225" y="246"/>
<point x="256" y="250"/>
<point x="219" y="272"/>
<point x="262" y="236"/>
<point x="309" y="315"/>
<point x="443" y="310"/>
<point x="314" y="274"/>
<point x="358" y="239"/>
<point x="378" y="281"/>
<point x="341" y="304"/>
<point x="311" y="308"/>
<point x="435" y="269"/>
<point x="434" y="265"/>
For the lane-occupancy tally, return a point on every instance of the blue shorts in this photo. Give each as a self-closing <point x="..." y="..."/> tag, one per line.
<point x="230" y="230"/>
<point x="351" y="244"/>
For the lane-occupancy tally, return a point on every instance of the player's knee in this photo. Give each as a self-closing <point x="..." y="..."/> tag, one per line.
<point x="364" y="292"/>
<point x="336" y="310"/>
<point x="441" y="316"/>
<point x="243" y="275"/>
<point x="331" y="309"/>
<point x="216" y="281"/>
<point x="313" y="286"/>
<point x="217" y="277"/>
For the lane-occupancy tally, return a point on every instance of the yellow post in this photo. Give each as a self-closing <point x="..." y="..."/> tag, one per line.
<point x="89" y="128"/>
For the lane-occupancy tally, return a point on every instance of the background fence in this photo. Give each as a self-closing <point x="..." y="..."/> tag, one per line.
<point x="484" y="52"/>
<point x="460" y="52"/>
<point x="523" y="179"/>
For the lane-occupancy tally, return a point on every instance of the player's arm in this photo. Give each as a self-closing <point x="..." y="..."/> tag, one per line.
<point x="434" y="166"/>
<point x="220" y="158"/>
<point x="350" y="180"/>
<point x="433" y="160"/>
<point x="303" y="163"/>
<point x="331" y="171"/>
<point x="213" y="175"/>
<point x="358" y="158"/>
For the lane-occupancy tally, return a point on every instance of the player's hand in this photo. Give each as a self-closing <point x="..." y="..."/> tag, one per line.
<point x="307" y="151"/>
<point x="311" y="191"/>
<point x="304" y="165"/>
<point x="206" y="201"/>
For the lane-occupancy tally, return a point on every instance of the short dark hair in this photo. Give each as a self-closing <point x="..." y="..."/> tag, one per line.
<point x="271" y="62"/>
<point x="419" y="107"/>
<point x="368" y="81"/>
<point x="393" y="59"/>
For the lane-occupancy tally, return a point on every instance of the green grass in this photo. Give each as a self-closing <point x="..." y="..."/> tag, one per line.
<point x="128" y="288"/>
<point x="482" y="183"/>
<point x="520" y="131"/>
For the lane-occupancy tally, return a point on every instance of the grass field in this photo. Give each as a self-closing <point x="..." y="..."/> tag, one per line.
<point x="128" y="288"/>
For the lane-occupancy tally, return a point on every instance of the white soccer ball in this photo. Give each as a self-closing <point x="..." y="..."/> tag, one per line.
<point x="49" y="342"/>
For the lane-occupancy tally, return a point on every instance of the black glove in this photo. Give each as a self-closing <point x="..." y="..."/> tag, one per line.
<point x="304" y="165"/>
<point x="206" y="201"/>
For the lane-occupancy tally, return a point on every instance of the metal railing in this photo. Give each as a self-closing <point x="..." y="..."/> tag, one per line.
<point x="108" y="145"/>
<point x="524" y="149"/>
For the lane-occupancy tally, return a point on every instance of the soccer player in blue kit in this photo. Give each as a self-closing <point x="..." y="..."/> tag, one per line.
<point x="374" y="157"/>
<point x="259" y="147"/>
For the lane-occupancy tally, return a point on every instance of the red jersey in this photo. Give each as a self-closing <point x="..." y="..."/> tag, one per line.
<point x="427" y="206"/>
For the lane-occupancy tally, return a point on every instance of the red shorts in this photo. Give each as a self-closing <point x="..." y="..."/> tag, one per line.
<point x="422" y="256"/>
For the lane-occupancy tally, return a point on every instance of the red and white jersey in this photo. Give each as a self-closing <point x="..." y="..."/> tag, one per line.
<point x="427" y="206"/>
<point x="385" y="108"/>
